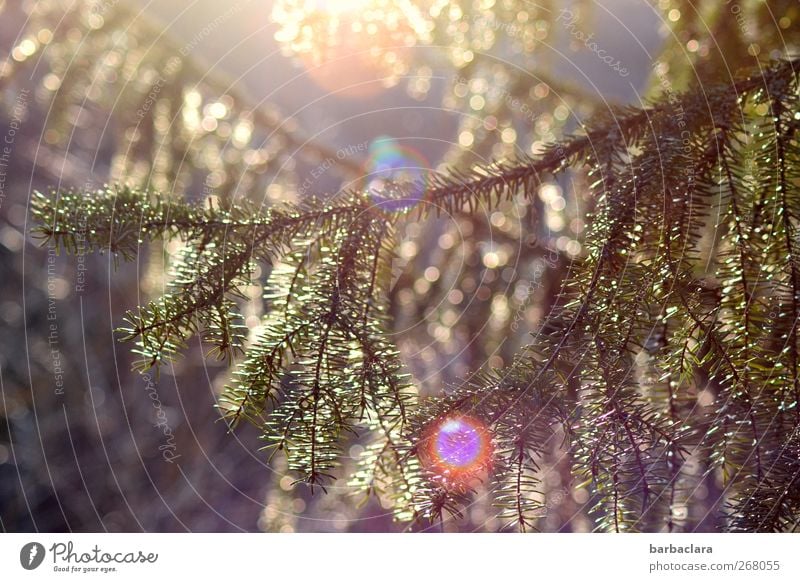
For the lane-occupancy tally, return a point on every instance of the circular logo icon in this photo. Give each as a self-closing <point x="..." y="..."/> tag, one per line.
<point x="31" y="555"/>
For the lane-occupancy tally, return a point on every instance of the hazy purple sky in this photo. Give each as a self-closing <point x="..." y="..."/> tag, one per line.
<point x="243" y="47"/>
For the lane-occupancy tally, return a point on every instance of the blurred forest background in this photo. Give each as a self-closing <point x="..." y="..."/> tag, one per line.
<point x="199" y="100"/>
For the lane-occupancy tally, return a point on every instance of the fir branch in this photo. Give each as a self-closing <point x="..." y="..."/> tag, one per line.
<point x="323" y="370"/>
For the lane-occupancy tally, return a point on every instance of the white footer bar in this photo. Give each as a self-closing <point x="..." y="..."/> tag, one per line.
<point x="401" y="557"/>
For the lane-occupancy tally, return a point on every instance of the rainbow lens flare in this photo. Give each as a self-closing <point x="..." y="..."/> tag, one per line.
<point x="456" y="448"/>
<point x="391" y="162"/>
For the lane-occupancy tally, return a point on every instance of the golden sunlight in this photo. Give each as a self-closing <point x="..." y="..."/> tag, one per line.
<point x="352" y="48"/>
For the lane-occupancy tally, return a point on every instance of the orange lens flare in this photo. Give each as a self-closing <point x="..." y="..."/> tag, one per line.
<point x="456" y="448"/>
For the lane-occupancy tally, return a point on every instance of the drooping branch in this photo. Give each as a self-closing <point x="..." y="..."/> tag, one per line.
<point x="323" y="368"/>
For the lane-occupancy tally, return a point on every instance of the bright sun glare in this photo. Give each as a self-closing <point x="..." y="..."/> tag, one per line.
<point x="353" y="48"/>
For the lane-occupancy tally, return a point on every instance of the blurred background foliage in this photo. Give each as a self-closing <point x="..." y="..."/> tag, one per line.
<point x="272" y="102"/>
